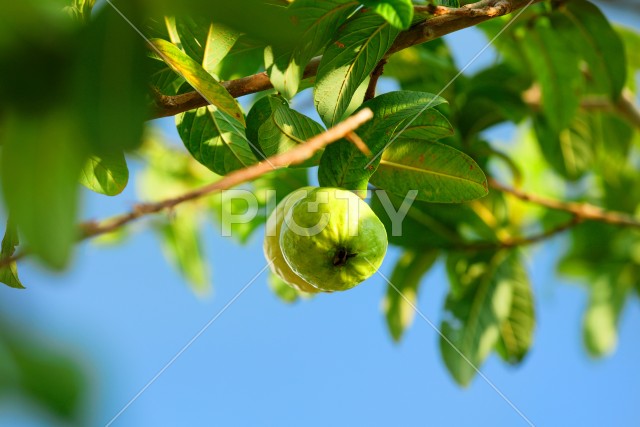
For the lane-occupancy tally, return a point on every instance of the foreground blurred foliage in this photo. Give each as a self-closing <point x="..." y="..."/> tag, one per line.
<point x="39" y="375"/>
<point x="79" y="82"/>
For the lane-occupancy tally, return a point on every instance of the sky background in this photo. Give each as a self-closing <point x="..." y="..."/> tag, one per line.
<point x="123" y="313"/>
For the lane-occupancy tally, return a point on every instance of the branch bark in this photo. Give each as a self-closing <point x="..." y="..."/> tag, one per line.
<point x="582" y="211"/>
<point x="432" y="28"/>
<point x="295" y="156"/>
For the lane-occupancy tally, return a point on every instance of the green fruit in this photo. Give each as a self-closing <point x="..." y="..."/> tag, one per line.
<point x="271" y="244"/>
<point x="333" y="240"/>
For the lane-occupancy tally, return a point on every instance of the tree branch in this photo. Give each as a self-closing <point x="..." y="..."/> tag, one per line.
<point x="583" y="211"/>
<point x="432" y="28"/>
<point x="373" y="82"/>
<point x="522" y="241"/>
<point x="295" y="156"/>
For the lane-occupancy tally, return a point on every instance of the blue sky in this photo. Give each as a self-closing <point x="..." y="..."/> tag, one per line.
<point x="123" y="313"/>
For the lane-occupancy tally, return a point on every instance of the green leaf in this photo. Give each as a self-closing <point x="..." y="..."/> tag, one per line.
<point x="201" y="81"/>
<point x="9" y="273"/>
<point x="215" y="139"/>
<point x="41" y="162"/>
<point x="182" y="244"/>
<point x="398" y="13"/>
<point x="440" y="173"/>
<point x="516" y="331"/>
<point x="479" y="302"/>
<point x="356" y="50"/>
<point x="111" y="80"/>
<point x="246" y="57"/>
<point x="406" y="277"/>
<point x="317" y="20"/>
<point x="555" y="65"/>
<point x="282" y="290"/>
<point x="204" y="42"/>
<point x="631" y="39"/>
<point x="608" y="295"/>
<point x="599" y="45"/>
<point x="285" y="129"/>
<point x="570" y="152"/>
<point x="343" y="165"/>
<point x="105" y="174"/>
<point x="47" y="379"/>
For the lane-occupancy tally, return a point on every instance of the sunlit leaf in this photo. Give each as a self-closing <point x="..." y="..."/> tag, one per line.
<point x="215" y="139"/>
<point x="402" y="295"/>
<point x="105" y="174"/>
<point x="439" y="173"/>
<point x="317" y="20"/>
<point x="200" y="80"/>
<point x="479" y="302"/>
<point x="358" y="46"/>
<point x="398" y="13"/>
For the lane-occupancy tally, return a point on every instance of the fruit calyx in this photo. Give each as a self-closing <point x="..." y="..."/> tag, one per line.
<point x="341" y="257"/>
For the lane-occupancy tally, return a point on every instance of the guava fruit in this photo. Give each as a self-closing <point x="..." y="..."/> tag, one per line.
<point x="271" y="244"/>
<point x="332" y="239"/>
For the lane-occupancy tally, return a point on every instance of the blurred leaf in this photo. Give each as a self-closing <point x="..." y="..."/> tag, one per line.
<point x="215" y="139"/>
<point x="9" y="273"/>
<point x="282" y="290"/>
<point x="357" y="48"/>
<point x="182" y="244"/>
<point x="284" y="129"/>
<point x="201" y="81"/>
<point x="479" y="302"/>
<point x="439" y="173"/>
<point x="609" y="293"/>
<point x="317" y="21"/>
<point x="398" y="13"/>
<point x="598" y="44"/>
<point x="105" y="174"/>
<point x="244" y="58"/>
<point x="81" y="9"/>
<point x="556" y="68"/>
<point x="110" y="80"/>
<point x="406" y="277"/>
<point x="492" y="96"/>
<point x="258" y="19"/>
<point x="41" y="162"/>
<point x="427" y="67"/>
<point x="630" y="39"/>
<point x="204" y="42"/>
<point x="47" y="378"/>
<point x="569" y="151"/>
<point x="344" y="165"/>
<point x="516" y="331"/>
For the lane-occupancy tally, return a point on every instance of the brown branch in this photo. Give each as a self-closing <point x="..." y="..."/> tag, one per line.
<point x="295" y="156"/>
<point x="521" y="241"/>
<point x="624" y="106"/>
<point x="373" y="82"/>
<point x="430" y="29"/>
<point x="583" y="211"/>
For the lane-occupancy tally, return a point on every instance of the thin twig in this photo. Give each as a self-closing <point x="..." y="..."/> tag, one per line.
<point x="584" y="211"/>
<point x="359" y="143"/>
<point x="521" y="241"/>
<point x="430" y="29"/>
<point x="295" y="156"/>
<point x="373" y="81"/>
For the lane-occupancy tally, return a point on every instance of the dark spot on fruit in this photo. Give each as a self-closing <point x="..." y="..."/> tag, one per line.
<point x="341" y="257"/>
